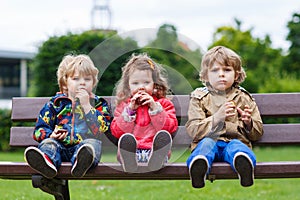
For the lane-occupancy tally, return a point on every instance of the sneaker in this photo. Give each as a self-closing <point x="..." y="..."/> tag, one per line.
<point x="127" y="149"/>
<point x="198" y="170"/>
<point x="162" y="144"/>
<point x="244" y="168"/>
<point x="84" y="160"/>
<point x="40" y="162"/>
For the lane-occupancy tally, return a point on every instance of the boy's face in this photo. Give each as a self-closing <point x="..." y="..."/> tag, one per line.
<point x="221" y="77"/>
<point x="141" y="80"/>
<point x="79" y="83"/>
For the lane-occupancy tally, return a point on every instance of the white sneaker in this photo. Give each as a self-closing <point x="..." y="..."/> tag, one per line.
<point x="127" y="149"/>
<point x="198" y="170"/>
<point x="84" y="160"/>
<point x="161" y="146"/>
<point x="244" y="168"/>
<point x="40" y="162"/>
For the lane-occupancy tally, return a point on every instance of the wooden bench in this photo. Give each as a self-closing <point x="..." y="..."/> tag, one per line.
<point x="270" y="105"/>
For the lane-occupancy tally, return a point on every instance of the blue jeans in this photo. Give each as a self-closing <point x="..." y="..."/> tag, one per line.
<point x="220" y="151"/>
<point x="59" y="153"/>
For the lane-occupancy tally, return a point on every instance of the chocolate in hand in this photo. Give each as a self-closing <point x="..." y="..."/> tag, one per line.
<point x="138" y="101"/>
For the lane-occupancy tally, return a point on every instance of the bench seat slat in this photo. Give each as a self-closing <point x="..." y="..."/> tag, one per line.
<point x="177" y="171"/>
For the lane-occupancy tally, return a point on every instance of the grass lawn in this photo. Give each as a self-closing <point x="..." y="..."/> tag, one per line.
<point x="263" y="189"/>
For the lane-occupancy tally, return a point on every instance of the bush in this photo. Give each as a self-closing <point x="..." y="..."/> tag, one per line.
<point x="5" y="124"/>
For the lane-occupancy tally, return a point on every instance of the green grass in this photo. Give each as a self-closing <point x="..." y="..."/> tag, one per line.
<point x="266" y="189"/>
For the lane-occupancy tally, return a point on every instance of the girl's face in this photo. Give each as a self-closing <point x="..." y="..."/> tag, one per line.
<point x="221" y="77"/>
<point x="79" y="82"/>
<point x="141" y="80"/>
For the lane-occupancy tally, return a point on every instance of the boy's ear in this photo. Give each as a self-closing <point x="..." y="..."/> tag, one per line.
<point x="237" y="75"/>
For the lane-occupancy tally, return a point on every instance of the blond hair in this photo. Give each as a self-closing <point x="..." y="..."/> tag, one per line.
<point x="223" y="56"/>
<point x="69" y="64"/>
<point x="141" y="62"/>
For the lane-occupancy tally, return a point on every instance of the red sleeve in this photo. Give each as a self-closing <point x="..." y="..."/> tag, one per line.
<point x="119" y="126"/>
<point x="165" y="120"/>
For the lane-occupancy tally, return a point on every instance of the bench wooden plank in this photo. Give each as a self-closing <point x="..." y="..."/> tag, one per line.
<point x="274" y="134"/>
<point x="26" y="108"/>
<point x="281" y="104"/>
<point x="172" y="171"/>
<point x="278" y="104"/>
<point x="283" y="134"/>
<point x="22" y="137"/>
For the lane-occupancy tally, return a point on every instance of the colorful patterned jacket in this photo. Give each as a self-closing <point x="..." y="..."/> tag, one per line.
<point x="60" y="111"/>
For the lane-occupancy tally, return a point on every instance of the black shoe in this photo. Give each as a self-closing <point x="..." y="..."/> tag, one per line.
<point x="162" y="144"/>
<point x="127" y="149"/>
<point x="40" y="162"/>
<point x="198" y="170"/>
<point x="84" y="160"/>
<point x="244" y="168"/>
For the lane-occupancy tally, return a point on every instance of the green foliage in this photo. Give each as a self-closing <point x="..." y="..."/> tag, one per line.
<point x="259" y="58"/>
<point x="281" y="83"/>
<point x="44" y="66"/>
<point x="110" y="56"/>
<point x="181" y="62"/>
<point x="292" y="60"/>
<point x="182" y="74"/>
<point x="267" y="69"/>
<point x="5" y="124"/>
<point x="109" y="53"/>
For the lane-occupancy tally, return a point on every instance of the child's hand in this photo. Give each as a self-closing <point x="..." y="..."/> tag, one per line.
<point x="147" y="99"/>
<point x="246" y="116"/>
<point x="135" y="101"/>
<point x="227" y="110"/>
<point x="142" y="98"/>
<point x="230" y="109"/>
<point x="84" y="98"/>
<point x="59" y="133"/>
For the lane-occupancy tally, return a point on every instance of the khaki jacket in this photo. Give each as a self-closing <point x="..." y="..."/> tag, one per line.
<point x="203" y="105"/>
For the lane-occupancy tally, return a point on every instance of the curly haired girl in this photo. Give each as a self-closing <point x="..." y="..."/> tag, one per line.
<point x="144" y="118"/>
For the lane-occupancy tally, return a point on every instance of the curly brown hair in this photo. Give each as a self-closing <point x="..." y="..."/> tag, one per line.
<point x="141" y="62"/>
<point x="223" y="56"/>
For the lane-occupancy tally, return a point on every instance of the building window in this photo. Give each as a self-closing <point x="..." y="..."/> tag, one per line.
<point x="9" y="78"/>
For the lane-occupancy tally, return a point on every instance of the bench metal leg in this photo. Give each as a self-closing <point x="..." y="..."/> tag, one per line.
<point x="57" y="187"/>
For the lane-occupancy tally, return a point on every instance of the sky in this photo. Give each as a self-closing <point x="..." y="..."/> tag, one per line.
<point x="26" y="24"/>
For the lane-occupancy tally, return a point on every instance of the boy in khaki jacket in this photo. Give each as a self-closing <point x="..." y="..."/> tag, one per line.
<point x="223" y="119"/>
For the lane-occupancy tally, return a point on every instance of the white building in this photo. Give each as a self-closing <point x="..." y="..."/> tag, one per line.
<point x="13" y="75"/>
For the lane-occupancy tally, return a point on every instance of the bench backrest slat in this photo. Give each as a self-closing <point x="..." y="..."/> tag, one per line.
<point x="275" y="134"/>
<point x="27" y="109"/>
<point x="281" y="104"/>
<point x="274" y="105"/>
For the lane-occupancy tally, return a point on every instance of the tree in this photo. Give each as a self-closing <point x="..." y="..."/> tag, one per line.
<point x="292" y="60"/>
<point x="260" y="60"/>
<point x="44" y="66"/>
<point x="181" y="62"/>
